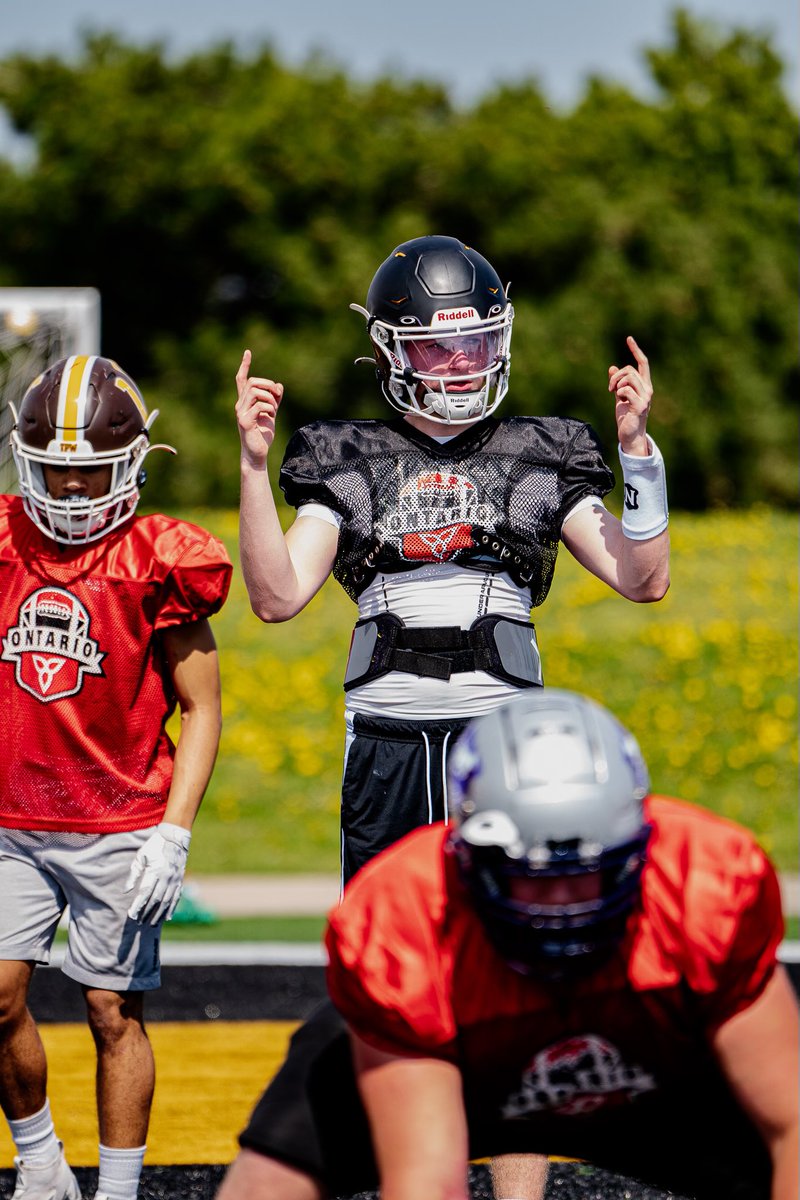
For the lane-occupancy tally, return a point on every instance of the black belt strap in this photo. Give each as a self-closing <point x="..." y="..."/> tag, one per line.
<point x="440" y="637"/>
<point x="435" y="652"/>
<point x="438" y="666"/>
<point x="459" y="650"/>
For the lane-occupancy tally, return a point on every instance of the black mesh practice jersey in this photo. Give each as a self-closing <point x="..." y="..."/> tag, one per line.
<point x="494" y="496"/>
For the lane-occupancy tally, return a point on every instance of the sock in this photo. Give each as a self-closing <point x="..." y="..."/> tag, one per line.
<point x="119" y="1172"/>
<point x="35" y="1138"/>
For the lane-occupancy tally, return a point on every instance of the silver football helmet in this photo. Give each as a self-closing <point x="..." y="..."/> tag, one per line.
<point x="549" y="787"/>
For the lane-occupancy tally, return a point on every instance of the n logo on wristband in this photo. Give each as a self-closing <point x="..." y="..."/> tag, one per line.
<point x="631" y="496"/>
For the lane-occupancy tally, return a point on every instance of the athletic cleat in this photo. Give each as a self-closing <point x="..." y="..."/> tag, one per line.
<point x="53" y="1181"/>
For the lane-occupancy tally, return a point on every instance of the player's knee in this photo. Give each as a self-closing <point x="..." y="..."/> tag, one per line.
<point x="252" y="1176"/>
<point x="113" y="1016"/>
<point x="13" y="996"/>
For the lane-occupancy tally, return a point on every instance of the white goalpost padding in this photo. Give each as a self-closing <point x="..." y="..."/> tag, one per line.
<point x="38" y="326"/>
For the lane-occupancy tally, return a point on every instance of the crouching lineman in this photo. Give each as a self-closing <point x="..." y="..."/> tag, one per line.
<point x="575" y="967"/>
<point x="104" y="629"/>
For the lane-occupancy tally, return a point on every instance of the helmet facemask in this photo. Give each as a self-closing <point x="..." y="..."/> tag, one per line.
<point x="555" y="940"/>
<point x="80" y="519"/>
<point x="455" y="373"/>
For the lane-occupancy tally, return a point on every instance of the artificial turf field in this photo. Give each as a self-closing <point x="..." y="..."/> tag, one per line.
<point x="213" y="1059"/>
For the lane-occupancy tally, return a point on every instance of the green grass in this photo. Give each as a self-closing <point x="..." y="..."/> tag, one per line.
<point x="706" y="680"/>
<point x="242" y="929"/>
<point x="250" y="929"/>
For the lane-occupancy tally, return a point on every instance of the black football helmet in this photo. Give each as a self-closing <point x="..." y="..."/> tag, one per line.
<point x="440" y="324"/>
<point x="547" y="789"/>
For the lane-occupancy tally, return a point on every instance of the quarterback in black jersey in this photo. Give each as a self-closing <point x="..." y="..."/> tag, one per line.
<point x="443" y="525"/>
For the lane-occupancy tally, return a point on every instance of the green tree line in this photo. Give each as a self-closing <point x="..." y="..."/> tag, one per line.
<point x="225" y="200"/>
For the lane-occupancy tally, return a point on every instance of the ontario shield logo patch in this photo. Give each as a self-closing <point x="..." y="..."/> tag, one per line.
<point x="576" y="1076"/>
<point x="51" y="646"/>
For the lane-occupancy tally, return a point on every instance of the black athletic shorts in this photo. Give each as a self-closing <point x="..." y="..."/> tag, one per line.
<point x="394" y="781"/>
<point x="697" y="1143"/>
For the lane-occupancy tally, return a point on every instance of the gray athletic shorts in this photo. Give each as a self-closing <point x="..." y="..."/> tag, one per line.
<point x="42" y="873"/>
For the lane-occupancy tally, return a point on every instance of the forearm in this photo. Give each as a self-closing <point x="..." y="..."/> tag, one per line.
<point x="410" y="1181"/>
<point x="267" y="568"/>
<point x="785" y="1173"/>
<point x="757" y="1051"/>
<point x="637" y="569"/>
<point x="195" y="755"/>
<point x="643" y="555"/>
<point x="157" y="871"/>
<point x="643" y="567"/>
<point x="419" y="1130"/>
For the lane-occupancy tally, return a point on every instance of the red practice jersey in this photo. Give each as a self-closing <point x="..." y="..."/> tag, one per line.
<point x="84" y="687"/>
<point x="413" y="972"/>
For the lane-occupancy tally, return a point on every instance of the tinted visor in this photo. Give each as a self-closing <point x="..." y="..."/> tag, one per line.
<point x="454" y="355"/>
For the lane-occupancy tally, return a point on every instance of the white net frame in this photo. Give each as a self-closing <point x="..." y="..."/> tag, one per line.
<point x="38" y="326"/>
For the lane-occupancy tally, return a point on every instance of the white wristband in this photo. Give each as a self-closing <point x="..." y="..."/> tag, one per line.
<point x="644" y="510"/>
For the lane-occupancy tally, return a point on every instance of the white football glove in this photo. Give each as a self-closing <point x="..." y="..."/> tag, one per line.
<point x="158" y="869"/>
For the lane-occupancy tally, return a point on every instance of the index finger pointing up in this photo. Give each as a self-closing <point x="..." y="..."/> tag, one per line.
<point x="244" y="367"/>
<point x="641" y="358"/>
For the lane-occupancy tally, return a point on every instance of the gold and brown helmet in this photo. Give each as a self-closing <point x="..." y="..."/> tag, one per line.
<point x="83" y="411"/>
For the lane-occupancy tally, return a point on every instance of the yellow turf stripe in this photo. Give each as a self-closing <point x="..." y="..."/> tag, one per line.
<point x="208" y="1077"/>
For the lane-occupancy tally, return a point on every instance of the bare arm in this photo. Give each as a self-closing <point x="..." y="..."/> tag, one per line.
<point x="157" y="870"/>
<point x="419" y="1130"/>
<point x="636" y="569"/>
<point x="758" y="1053"/>
<point x="281" y="572"/>
<point x="193" y="664"/>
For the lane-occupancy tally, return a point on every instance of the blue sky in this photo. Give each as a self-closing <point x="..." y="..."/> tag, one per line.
<point x="469" y="45"/>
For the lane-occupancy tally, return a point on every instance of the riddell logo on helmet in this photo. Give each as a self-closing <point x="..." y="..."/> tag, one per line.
<point x="451" y="315"/>
<point x="66" y="447"/>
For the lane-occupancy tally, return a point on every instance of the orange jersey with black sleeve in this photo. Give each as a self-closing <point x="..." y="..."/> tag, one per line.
<point x="413" y="972"/>
<point x="84" y="685"/>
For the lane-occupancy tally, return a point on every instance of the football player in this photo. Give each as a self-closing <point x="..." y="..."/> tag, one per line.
<point x="442" y="524"/>
<point x="105" y="629"/>
<point x="576" y="967"/>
